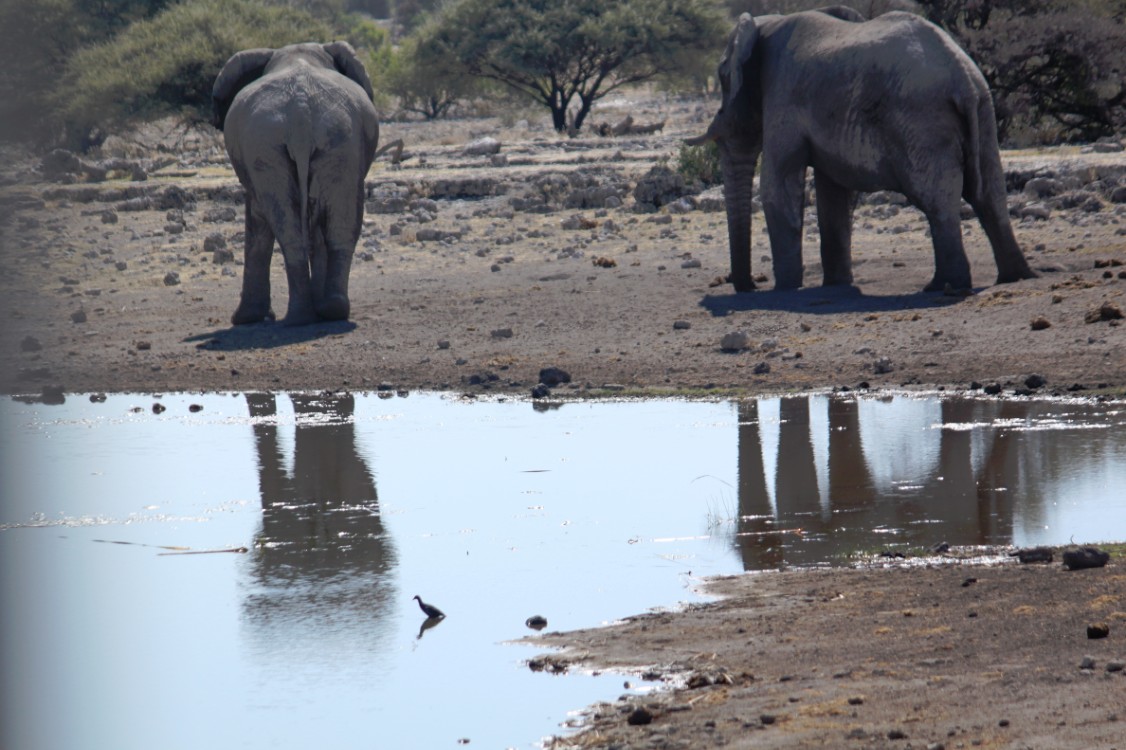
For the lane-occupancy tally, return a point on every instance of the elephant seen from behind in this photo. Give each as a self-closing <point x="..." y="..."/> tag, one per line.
<point x="301" y="131"/>
<point x="887" y="104"/>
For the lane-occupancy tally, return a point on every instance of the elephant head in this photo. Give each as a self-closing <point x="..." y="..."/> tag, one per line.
<point x="249" y="65"/>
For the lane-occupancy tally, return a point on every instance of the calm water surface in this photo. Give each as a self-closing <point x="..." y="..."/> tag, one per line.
<point x="116" y="634"/>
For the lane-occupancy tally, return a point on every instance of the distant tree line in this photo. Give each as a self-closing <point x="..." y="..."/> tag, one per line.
<point x="70" y="70"/>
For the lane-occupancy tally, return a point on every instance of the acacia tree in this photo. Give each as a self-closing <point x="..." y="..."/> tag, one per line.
<point x="560" y="51"/>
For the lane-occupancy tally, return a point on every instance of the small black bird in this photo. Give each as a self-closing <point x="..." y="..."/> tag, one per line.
<point x="429" y="609"/>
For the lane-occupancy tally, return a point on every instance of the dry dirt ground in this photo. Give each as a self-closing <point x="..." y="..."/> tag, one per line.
<point x="474" y="272"/>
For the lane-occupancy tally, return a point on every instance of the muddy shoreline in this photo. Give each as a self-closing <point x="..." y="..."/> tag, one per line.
<point x="475" y="273"/>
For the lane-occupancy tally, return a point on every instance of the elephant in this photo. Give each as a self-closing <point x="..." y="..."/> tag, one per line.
<point x="301" y="131"/>
<point x="890" y="103"/>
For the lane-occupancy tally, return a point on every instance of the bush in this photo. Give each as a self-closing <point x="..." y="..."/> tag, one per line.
<point x="169" y="63"/>
<point x="700" y="164"/>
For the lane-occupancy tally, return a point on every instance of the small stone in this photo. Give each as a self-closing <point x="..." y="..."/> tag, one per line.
<point x="501" y="333"/>
<point x="882" y="366"/>
<point x="1035" y="381"/>
<point x="604" y="262"/>
<point x="767" y="719"/>
<point x="992" y="389"/>
<point x="195" y="408"/>
<point x="681" y="325"/>
<point x="735" y="341"/>
<point x="540" y="391"/>
<point x="762" y="368"/>
<point x="897" y="734"/>
<point x="553" y="376"/>
<point x="1115" y="666"/>
<point x="443" y="344"/>
<point x="171" y="278"/>
<point x="158" y="408"/>
<point x="1087" y="662"/>
<point x="639" y="717"/>
<point x="1085" y="557"/>
<point x="691" y="263"/>
<point x="1105" y="311"/>
<point x="1035" y="555"/>
<point x="1098" y="630"/>
<point x="30" y="344"/>
<point x="482" y="147"/>
<point x="1040" y="323"/>
<point x="536" y="622"/>
<point x="856" y="700"/>
<point x="78" y="316"/>
<point x="109" y="216"/>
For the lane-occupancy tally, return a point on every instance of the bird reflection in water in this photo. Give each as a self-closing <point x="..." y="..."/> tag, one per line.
<point x="433" y="615"/>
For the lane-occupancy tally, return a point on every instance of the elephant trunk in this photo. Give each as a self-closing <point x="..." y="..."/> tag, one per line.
<point x="738" y="182"/>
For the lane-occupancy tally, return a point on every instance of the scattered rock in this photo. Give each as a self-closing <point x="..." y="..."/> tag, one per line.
<point x="1087" y="662"/>
<point x="1115" y="666"/>
<point x="735" y="341"/>
<point x="691" y="263"/>
<point x="659" y="187"/>
<point x="1098" y="630"/>
<point x="171" y="278"/>
<point x="536" y="622"/>
<point x="553" y="376"/>
<point x="604" y="262"/>
<point x="501" y="333"/>
<point x="576" y="222"/>
<point x="992" y="389"/>
<point x="681" y="325"/>
<point x="1105" y="311"/>
<point x="1040" y="323"/>
<point x="762" y="368"/>
<point x="30" y="344"/>
<point x="882" y="366"/>
<point x="1035" y="555"/>
<point x="1085" y="557"/>
<point x="640" y="716"/>
<point x="78" y="316"/>
<point x="486" y="146"/>
<point x="541" y="391"/>
<point x="1035" y="381"/>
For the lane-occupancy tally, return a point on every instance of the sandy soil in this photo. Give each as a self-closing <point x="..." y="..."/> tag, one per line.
<point x="470" y="277"/>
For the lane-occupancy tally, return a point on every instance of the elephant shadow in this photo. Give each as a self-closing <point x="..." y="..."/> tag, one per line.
<point x="267" y="335"/>
<point x="824" y="300"/>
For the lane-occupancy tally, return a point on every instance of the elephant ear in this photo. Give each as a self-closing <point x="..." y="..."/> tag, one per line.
<point x="739" y="51"/>
<point x="344" y="57"/>
<point x="243" y="68"/>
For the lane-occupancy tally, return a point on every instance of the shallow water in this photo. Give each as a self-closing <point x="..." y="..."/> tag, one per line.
<point x="117" y="635"/>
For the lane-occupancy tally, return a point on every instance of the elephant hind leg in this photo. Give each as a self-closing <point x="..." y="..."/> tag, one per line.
<point x="335" y="242"/>
<point x="834" y="219"/>
<point x="994" y="218"/>
<point x="254" y="304"/>
<point x="951" y="266"/>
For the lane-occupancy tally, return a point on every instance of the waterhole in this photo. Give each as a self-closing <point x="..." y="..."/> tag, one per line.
<point x="237" y="570"/>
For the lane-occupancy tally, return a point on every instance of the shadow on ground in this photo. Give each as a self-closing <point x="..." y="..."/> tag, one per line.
<point x="826" y="300"/>
<point x="267" y="335"/>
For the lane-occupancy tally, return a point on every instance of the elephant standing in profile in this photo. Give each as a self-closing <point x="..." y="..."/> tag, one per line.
<point x="301" y="131"/>
<point x="887" y="104"/>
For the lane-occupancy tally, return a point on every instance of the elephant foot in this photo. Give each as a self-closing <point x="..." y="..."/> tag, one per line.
<point x="246" y="314"/>
<point x="961" y="288"/>
<point x="1008" y="277"/>
<point x="335" y="307"/>
<point x="742" y="285"/>
<point x="299" y="316"/>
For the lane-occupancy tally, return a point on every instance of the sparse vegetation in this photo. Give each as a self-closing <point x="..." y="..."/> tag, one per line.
<point x="700" y="164"/>
<point x="71" y="70"/>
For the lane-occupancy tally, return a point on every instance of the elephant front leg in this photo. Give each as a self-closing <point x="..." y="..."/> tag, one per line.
<point x="783" y="199"/>
<point x="254" y="304"/>
<point x="834" y="218"/>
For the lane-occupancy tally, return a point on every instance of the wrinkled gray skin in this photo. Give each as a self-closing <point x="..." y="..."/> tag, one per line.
<point x="301" y="132"/>
<point x="886" y="104"/>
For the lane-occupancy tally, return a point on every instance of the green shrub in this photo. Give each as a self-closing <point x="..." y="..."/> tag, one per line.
<point x="699" y="164"/>
<point x="169" y="63"/>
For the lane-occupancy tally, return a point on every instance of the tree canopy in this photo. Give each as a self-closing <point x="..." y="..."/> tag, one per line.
<point x="560" y="51"/>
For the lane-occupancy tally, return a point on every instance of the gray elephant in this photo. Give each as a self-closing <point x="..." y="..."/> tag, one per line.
<point x="301" y="131"/>
<point x="886" y="104"/>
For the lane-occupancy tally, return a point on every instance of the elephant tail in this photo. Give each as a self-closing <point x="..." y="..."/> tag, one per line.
<point x="972" y="169"/>
<point x="301" y="152"/>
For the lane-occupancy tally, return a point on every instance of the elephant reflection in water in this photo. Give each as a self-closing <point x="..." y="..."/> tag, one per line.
<point x="322" y="556"/>
<point x="957" y="479"/>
